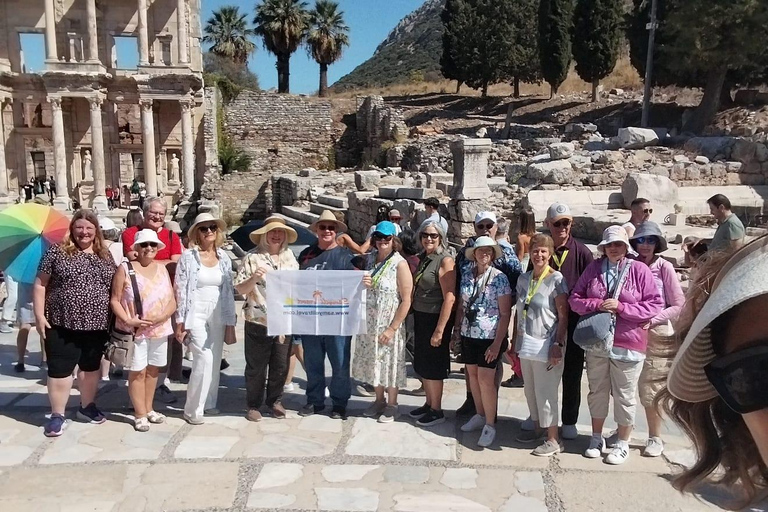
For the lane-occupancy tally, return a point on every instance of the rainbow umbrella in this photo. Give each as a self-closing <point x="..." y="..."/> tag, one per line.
<point x="26" y="232"/>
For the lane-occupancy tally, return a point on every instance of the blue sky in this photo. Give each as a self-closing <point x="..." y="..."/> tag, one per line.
<point x="369" y="23"/>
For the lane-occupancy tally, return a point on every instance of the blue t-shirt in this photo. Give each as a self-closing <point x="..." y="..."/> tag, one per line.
<point x="314" y="258"/>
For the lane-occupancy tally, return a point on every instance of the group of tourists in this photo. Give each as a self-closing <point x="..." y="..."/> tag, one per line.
<point x="618" y="315"/>
<point x="41" y="189"/>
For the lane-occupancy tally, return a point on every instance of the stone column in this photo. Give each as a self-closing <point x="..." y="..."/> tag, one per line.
<point x="97" y="143"/>
<point x="93" y="38"/>
<point x="61" y="201"/>
<point x="148" y="139"/>
<point x="3" y="165"/>
<point x="50" y="32"/>
<point x="470" y="190"/>
<point x="187" y="147"/>
<point x="181" y="28"/>
<point x="143" y="34"/>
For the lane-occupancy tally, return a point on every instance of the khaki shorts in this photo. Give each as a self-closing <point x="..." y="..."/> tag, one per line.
<point x="653" y="378"/>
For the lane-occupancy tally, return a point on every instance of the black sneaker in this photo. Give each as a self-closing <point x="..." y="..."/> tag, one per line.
<point x="419" y="411"/>
<point x="19" y="367"/>
<point x="224" y="365"/>
<point x="186" y="372"/>
<point x="513" y="382"/>
<point x="339" y="413"/>
<point x="432" y="417"/>
<point x="91" y="414"/>
<point x="165" y="395"/>
<point x="309" y="410"/>
<point x="467" y="408"/>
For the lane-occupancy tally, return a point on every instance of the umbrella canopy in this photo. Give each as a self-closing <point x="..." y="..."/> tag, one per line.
<point x="26" y="232"/>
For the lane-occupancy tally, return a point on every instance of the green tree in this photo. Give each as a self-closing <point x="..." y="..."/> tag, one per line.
<point x="222" y="67"/>
<point x="555" y="23"/>
<point x="229" y="33"/>
<point x="597" y="39"/>
<point x="454" y="17"/>
<point x="524" y="65"/>
<point x="327" y="37"/>
<point x="283" y="25"/>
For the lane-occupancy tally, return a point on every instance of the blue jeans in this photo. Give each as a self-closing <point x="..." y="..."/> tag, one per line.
<point x="338" y="350"/>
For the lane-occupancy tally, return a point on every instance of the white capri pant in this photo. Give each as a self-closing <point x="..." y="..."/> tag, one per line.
<point x="541" y="387"/>
<point x="149" y="352"/>
<point x="611" y="377"/>
<point x="9" y="306"/>
<point x="206" y="340"/>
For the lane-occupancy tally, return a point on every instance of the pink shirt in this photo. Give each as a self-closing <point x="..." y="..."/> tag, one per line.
<point x="155" y="294"/>
<point x="669" y="287"/>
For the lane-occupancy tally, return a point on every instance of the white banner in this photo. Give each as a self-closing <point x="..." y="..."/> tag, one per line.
<point x="319" y="302"/>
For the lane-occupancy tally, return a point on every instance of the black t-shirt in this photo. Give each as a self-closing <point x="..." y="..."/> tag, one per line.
<point x="28" y="192"/>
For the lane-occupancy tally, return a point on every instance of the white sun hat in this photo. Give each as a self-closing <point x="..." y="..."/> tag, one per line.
<point x="615" y="234"/>
<point x="484" y="241"/>
<point x="147" y="235"/>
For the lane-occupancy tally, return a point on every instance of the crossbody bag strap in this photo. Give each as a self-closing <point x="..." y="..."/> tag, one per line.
<point x="622" y="279"/>
<point x="136" y="294"/>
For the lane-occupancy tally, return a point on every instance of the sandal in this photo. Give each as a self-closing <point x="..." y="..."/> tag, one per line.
<point x="155" y="417"/>
<point x="141" y="424"/>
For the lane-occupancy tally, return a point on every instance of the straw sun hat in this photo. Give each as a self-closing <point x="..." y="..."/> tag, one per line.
<point x="271" y="223"/>
<point x="328" y="216"/>
<point x="204" y="217"/>
<point x="743" y="277"/>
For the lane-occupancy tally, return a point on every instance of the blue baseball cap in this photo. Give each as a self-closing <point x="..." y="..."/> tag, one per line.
<point x="385" y="228"/>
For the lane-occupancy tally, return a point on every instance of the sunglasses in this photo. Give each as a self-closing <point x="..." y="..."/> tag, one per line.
<point x="144" y="245"/>
<point x="327" y="227"/>
<point x="484" y="226"/>
<point x="648" y="210"/>
<point x="431" y="236"/>
<point x="562" y="223"/>
<point x="647" y="240"/>
<point x="382" y="238"/>
<point x="395" y="219"/>
<point x="206" y="229"/>
<point x="741" y="378"/>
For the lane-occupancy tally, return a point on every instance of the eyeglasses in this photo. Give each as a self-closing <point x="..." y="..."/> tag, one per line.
<point x="156" y="214"/>
<point x="431" y="236"/>
<point x="648" y="210"/>
<point x="741" y="378"/>
<point x="209" y="229"/>
<point x="647" y="240"/>
<point x="564" y="223"/>
<point x="327" y="227"/>
<point x="382" y="238"/>
<point x="144" y="245"/>
<point x="484" y="226"/>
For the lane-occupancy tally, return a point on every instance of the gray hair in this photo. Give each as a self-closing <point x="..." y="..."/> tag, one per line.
<point x="443" y="247"/>
<point x="111" y="234"/>
<point x="502" y="226"/>
<point x="149" y="201"/>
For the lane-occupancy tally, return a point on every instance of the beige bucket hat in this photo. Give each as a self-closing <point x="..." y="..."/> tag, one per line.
<point x="743" y="277"/>
<point x="273" y="222"/>
<point x="328" y="216"/>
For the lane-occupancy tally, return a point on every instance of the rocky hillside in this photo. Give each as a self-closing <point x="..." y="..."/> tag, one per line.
<point x="410" y="53"/>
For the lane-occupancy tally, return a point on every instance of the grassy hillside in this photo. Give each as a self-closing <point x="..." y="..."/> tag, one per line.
<point x="410" y="54"/>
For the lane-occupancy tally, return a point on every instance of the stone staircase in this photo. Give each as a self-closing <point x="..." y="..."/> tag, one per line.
<point x="306" y="215"/>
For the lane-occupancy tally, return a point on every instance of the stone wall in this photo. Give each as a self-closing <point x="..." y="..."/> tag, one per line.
<point x="242" y="196"/>
<point x="378" y="125"/>
<point x="280" y="131"/>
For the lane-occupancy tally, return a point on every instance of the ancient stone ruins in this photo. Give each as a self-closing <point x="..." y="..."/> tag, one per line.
<point x="88" y="119"/>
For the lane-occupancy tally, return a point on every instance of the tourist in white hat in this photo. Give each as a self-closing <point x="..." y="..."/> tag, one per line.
<point x="111" y="238"/>
<point x="267" y="358"/>
<point x="148" y="316"/>
<point x="482" y="322"/>
<point x="716" y="389"/>
<point x="617" y="371"/>
<point x="506" y="261"/>
<point x="206" y="315"/>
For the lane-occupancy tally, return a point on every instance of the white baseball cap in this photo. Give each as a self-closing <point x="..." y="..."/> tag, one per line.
<point x="559" y="211"/>
<point x="481" y="216"/>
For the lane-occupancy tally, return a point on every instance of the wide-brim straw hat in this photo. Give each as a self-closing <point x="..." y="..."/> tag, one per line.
<point x="484" y="241"/>
<point x="649" y="228"/>
<point x="615" y="234"/>
<point x="147" y="235"/>
<point x="328" y="216"/>
<point x="744" y="276"/>
<point x="204" y="217"/>
<point x="270" y="224"/>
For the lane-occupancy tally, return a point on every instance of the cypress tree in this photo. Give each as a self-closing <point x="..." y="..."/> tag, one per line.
<point x="555" y="23"/>
<point x="454" y="18"/>
<point x="491" y="41"/>
<point x="596" y="39"/>
<point x="524" y="63"/>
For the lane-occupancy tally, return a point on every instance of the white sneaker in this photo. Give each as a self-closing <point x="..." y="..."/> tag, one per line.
<point x="528" y="425"/>
<point x="618" y="455"/>
<point x="487" y="437"/>
<point x="596" y="447"/>
<point x="654" y="447"/>
<point x="612" y="440"/>
<point x="476" y="422"/>
<point x="570" y="432"/>
<point x="288" y="388"/>
<point x="5" y="328"/>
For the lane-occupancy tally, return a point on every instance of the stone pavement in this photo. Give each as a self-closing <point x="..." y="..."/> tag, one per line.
<point x="312" y="463"/>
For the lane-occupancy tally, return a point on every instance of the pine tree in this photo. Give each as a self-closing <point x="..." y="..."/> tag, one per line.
<point x="596" y="39"/>
<point x="555" y="23"/>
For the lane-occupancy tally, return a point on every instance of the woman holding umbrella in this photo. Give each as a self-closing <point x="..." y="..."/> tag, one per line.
<point x="71" y="303"/>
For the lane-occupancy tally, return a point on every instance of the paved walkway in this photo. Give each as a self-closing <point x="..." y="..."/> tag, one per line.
<point x="313" y="463"/>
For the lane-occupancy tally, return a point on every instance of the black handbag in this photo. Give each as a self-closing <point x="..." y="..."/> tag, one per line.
<point x="119" y="349"/>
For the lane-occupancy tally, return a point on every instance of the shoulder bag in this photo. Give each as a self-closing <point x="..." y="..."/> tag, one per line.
<point x="594" y="332"/>
<point x="119" y="349"/>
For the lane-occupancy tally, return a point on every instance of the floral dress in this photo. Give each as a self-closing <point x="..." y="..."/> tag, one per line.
<point x="374" y="363"/>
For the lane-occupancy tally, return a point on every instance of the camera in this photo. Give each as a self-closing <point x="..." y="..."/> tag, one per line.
<point x="471" y="313"/>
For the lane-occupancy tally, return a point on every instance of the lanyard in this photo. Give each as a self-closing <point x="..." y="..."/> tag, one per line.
<point x="379" y="270"/>
<point x="532" y="289"/>
<point x="559" y="261"/>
